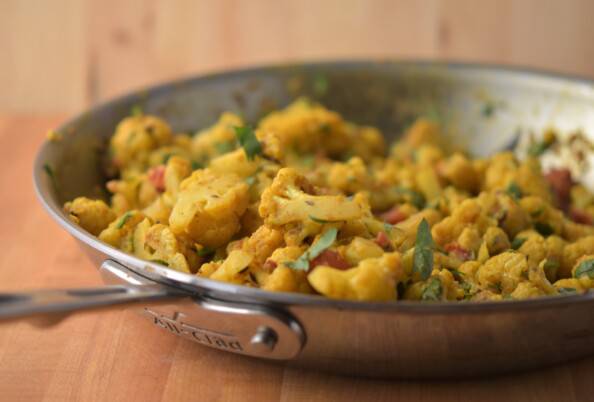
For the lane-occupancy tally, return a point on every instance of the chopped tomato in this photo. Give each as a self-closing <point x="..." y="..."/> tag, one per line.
<point x="393" y="216"/>
<point x="382" y="240"/>
<point x="560" y="182"/>
<point x="329" y="258"/>
<point x="156" y="176"/>
<point x="269" y="265"/>
<point x="458" y="251"/>
<point x="579" y="216"/>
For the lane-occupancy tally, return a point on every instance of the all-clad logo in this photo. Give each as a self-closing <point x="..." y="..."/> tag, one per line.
<point x="207" y="337"/>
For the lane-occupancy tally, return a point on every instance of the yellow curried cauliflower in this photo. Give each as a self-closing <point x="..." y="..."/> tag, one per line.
<point x="374" y="279"/>
<point x="134" y="138"/>
<point x="321" y="209"/>
<point x="157" y="243"/>
<point x="572" y="252"/>
<point x="209" y="207"/>
<point x="91" y="215"/>
<point x="120" y="232"/>
<point x="286" y="201"/>
<point x="503" y="273"/>
<point x="468" y="213"/>
<point x="217" y="139"/>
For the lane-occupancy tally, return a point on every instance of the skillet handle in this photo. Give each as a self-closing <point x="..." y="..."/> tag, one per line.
<point x="49" y="306"/>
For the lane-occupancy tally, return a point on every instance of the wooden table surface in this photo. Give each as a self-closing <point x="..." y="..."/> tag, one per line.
<point x="119" y="356"/>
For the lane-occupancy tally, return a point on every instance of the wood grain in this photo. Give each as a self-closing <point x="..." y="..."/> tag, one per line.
<point x="120" y="356"/>
<point x="64" y="55"/>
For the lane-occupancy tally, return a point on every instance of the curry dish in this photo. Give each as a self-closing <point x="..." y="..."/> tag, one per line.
<point x="309" y="202"/>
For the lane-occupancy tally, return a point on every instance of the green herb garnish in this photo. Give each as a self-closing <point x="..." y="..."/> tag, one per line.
<point x="423" y="254"/>
<point x="49" y="171"/>
<point x="204" y="251"/>
<point x="517" y="242"/>
<point x="321" y="221"/>
<point x="325" y="241"/>
<point x="536" y="149"/>
<point x="550" y="268"/>
<point x="585" y="268"/>
<point x="488" y="109"/>
<point x="136" y="111"/>
<point x="224" y="146"/>
<point x="248" y="141"/>
<point x="197" y="165"/>
<point x="514" y="191"/>
<point x="160" y="262"/>
<point x="566" y="291"/>
<point x="125" y="218"/>
<point x="433" y="290"/>
<point x="414" y="197"/>
<point x="544" y="228"/>
<point x="320" y="85"/>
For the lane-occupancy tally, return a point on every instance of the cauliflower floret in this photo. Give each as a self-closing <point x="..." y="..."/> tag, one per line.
<point x="233" y="267"/>
<point x="503" y="273"/>
<point x="285" y="201"/>
<point x="572" y="252"/>
<point x="234" y="162"/>
<point x="120" y="232"/>
<point x="261" y="244"/>
<point x="350" y="177"/>
<point x="135" y="137"/>
<point x="360" y="249"/>
<point x="209" y="207"/>
<point x="91" y="215"/>
<point x="468" y="213"/>
<point x="461" y="172"/>
<point x="374" y="279"/>
<point x="217" y="139"/>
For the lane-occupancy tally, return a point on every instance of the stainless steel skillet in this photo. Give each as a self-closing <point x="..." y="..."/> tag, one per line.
<point x="482" y="107"/>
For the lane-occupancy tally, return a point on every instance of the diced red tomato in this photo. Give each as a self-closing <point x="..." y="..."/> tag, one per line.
<point x="329" y="258"/>
<point x="458" y="251"/>
<point x="156" y="176"/>
<point x="393" y="216"/>
<point x="579" y="216"/>
<point x="269" y="265"/>
<point x="560" y="182"/>
<point x="382" y="240"/>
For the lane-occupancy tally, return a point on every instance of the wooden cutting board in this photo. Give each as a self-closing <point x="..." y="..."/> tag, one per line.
<point x="120" y="356"/>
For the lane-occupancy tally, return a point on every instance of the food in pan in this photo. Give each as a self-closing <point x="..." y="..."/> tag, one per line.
<point x="309" y="202"/>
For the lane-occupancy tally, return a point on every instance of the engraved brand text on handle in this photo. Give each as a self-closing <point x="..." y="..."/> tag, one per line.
<point x="204" y="336"/>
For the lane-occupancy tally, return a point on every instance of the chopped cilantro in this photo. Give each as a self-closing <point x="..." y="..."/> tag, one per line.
<point x="514" y="191"/>
<point x="197" y="165"/>
<point x="325" y="241"/>
<point x="247" y="139"/>
<point x="517" y="242"/>
<point x="49" y="171"/>
<point x="536" y="149"/>
<point x="125" y="218"/>
<point x="250" y="180"/>
<point x="544" y="228"/>
<point x="224" y="146"/>
<point x="488" y="109"/>
<point x="166" y="157"/>
<point x="585" y="268"/>
<point x="136" y="111"/>
<point x="550" y="268"/>
<point x="433" y="290"/>
<point x="320" y="85"/>
<point x="423" y="254"/>
<point x="322" y="221"/>
<point x="566" y="291"/>
<point x="204" y="251"/>
<point x="412" y="196"/>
